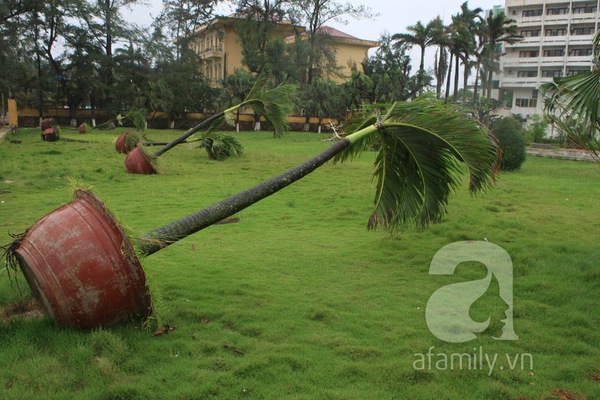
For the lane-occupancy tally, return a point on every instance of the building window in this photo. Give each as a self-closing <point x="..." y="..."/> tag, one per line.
<point x="526" y="103"/>
<point x="526" y="74"/>
<point x="534" y="94"/>
<point x="557" y="11"/>
<point x="584" y="9"/>
<point x="554" y="53"/>
<point x="531" y="33"/>
<point x="581" y="52"/>
<point x="532" y="13"/>
<point x="529" y="54"/>
<point x="556" y="32"/>
<point x="551" y="73"/>
<point x="582" y="31"/>
<point x="572" y="72"/>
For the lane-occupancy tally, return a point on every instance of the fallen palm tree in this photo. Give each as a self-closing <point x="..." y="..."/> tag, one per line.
<point x="273" y="104"/>
<point x="84" y="271"/>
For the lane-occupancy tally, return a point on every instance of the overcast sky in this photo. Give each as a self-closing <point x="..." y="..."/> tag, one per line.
<point x="394" y="15"/>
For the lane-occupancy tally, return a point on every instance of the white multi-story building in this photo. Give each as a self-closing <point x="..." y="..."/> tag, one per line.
<point x="557" y="41"/>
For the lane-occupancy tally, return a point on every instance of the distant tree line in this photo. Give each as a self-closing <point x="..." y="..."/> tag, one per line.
<point x="84" y="54"/>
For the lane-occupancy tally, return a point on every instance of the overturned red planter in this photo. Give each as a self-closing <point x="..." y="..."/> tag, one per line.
<point x="82" y="268"/>
<point x="137" y="162"/>
<point x="120" y="143"/>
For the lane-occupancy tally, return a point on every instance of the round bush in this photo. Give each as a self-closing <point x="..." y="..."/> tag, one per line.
<point x="509" y="133"/>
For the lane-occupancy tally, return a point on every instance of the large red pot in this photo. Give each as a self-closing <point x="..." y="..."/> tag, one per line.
<point x="82" y="268"/>
<point x="137" y="162"/>
<point x="120" y="143"/>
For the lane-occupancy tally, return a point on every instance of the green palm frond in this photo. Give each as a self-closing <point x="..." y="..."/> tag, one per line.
<point x="220" y="146"/>
<point x="369" y="115"/>
<point x="273" y="104"/>
<point x="572" y="105"/>
<point x="426" y="146"/>
<point x="137" y="117"/>
<point x="574" y="97"/>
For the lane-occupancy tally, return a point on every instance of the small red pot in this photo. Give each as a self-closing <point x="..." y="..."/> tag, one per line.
<point x="81" y="128"/>
<point x="137" y="162"/>
<point x="82" y="268"/>
<point x="120" y="144"/>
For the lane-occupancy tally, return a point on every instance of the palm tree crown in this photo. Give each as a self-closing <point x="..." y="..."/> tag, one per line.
<point x="422" y="36"/>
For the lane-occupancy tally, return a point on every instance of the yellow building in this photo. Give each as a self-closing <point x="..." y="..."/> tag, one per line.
<point x="219" y="46"/>
<point x="349" y="53"/>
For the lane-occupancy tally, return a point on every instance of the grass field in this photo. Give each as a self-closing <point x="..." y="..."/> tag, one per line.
<point x="298" y="300"/>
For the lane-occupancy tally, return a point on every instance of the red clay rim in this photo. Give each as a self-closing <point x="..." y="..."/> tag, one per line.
<point x="137" y="162"/>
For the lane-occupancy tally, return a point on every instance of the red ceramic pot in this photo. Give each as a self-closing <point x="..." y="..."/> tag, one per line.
<point x="82" y="268"/>
<point x="120" y="144"/>
<point x="81" y="128"/>
<point x="137" y="162"/>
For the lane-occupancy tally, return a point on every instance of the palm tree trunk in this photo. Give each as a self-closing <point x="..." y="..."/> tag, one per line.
<point x="169" y="234"/>
<point x="476" y="88"/>
<point x="189" y="133"/>
<point x="465" y="80"/>
<point x="449" y="78"/>
<point x="420" y="81"/>
<point x="456" y="75"/>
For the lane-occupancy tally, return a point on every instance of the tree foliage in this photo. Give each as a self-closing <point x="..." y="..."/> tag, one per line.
<point x="386" y="76"/>
<point x="510" y="135"/>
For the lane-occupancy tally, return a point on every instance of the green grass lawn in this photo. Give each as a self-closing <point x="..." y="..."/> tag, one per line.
<point x="298" y="300"/>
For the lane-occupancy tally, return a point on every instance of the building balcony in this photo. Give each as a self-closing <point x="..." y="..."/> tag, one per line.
<point x="214" y="83"/>
<point x="528" y="21"/>
<point x="554" y="40"/>
<point x="580" y="61"/>
<point x="580" y="39"/>
<point x="534" y="61"/>
<point x="583" y="18"/>
<point x="554" y="19"/>
<point x="508" y="82"/>
<point x="528" y="41"/>
<point x="210" y="53"/>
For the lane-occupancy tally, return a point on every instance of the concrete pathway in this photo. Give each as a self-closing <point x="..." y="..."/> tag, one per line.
<point x="566" y="154"/>
<point x="3" y="133"/>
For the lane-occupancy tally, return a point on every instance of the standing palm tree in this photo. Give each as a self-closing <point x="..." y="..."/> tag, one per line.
<point x="440" y="67"/>
<point x="466" y="25"/>
<point x="497" y="29"/>
<point x="572" y="104"/>
<point x="422" y="36"/>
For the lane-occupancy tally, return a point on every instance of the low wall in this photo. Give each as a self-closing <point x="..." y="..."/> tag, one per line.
<point x="30" y="118"/>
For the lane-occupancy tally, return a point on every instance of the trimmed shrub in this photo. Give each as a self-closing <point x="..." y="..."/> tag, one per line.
<point x="509" y="133"/>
